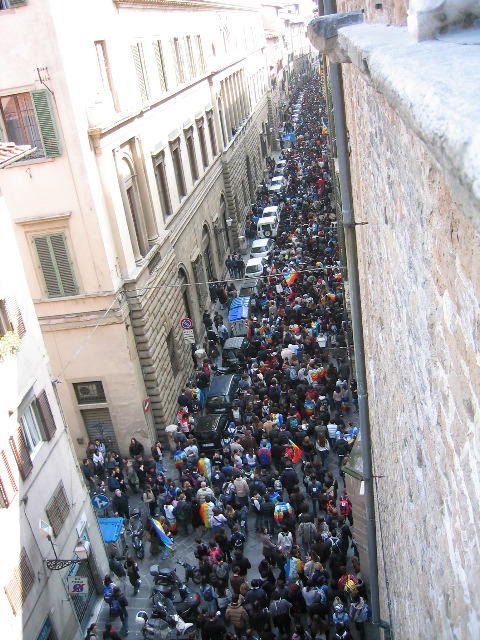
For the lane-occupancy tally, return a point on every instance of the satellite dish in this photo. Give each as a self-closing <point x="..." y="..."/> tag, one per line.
<point x="45" y="529"/>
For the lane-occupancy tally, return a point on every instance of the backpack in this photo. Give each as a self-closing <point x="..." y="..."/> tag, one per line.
<point x="350" y="587"/>
<point x="208" y="593"/>
<point x="181" y="512"/>
<point x="293" y="423"/>
<point x="277" y="485"/>
<point x="343" y="507"/>
<point x="335" y="548"/>
<point x="321" y="596"/>
<point x="359" y="615"/>
<point x="115" y="608"/>
<point x="338" y="606"/>
<point x="264" y="457"/>
<point x="292" y="373"/>
<point x="221" y="571"/>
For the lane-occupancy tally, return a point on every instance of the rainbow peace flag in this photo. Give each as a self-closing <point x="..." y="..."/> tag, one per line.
<point x="205" y="514"/>
<point x="205" y="467"/>
<point x="316" y="374"/>
<point x="338" y="276"/>
<point x="297" y="452"/>
<point x="168" y="542"/>
<point x="280" y="509"/>
<point x="293" y="567"/>
<point x="331" y="296"/>
<point x="290" y="276"/>
<point x="178" y="458"/>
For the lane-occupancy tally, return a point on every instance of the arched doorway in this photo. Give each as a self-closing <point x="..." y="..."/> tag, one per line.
<point x="207" y="253"/>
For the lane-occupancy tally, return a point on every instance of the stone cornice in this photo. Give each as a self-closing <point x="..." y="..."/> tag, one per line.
<point x="185" y="4"/>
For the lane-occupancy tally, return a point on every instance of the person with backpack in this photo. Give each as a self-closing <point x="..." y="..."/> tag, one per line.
<point x="237" y="539"/>
<point x="306" y="533"/>
<point x="133" y="574"/>
<point x="118" y="607"/>
<point x="341" y="633"/>
<point x="92" y="632"/>
<point x="116" y="567"/>
<point x="359" y="613"/>
<point x="237" y="615"/>
<point x="110" y="633"/>
<point x="340" y="616"/>
<point x="264" y="455"/>
<point x="208" y="594"/>
<point x="183" y="513"/>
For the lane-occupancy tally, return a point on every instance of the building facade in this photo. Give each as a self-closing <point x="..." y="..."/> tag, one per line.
<point x="39" y="477"/>
<point x="412" y="123"/>
<point x="151" y="127"/>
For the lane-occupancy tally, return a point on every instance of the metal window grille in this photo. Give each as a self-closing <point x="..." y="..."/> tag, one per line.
<point x="20" y="584"/>
<point x="58" y="509"/>
<point x="8" y="486"/>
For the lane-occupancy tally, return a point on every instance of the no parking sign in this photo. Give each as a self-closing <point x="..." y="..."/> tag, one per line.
<point x="187" y="328"/>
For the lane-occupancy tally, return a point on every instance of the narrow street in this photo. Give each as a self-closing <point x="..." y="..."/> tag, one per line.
<point x="307" y="247"/>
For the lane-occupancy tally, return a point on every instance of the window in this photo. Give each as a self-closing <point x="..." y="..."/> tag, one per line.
<point x="11" y="317"/>
<point x="12" y="4"/>
<point x="173" y="354"/>
<point x="192" y="70"/>
<point x="105" y="73"/>
<point x="89" y="392"/>
<point x="178" y="60"/>
<point x="133" y="204"/>
<point x="44" y="411"/>
<point x="201" y="57"/>
<point x="162" y="74"/>
<point x="162" y="184"/>
<point x="178" y="169"/>
<point x="203" y="144"/>
<point x="55" y="264"/>
<point x="30" y="424"/>
<point x="191" y="154"/>
<point x="141" y="70"/>
<point x="28" y="119"/>
<point x="211" y="132"/>
<point x="8" y="486"/>
<point x="20" y="584"/>
<point x="58" y="509"/>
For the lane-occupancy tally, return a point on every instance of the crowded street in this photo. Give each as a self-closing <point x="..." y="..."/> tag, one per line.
<point x="249" y="490"/>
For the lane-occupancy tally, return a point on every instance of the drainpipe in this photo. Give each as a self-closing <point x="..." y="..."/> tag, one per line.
<point x="336" y="82"/>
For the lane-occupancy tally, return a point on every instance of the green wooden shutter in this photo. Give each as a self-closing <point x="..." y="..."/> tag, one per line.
<point x="55" y="263"/>
<point x="157" y="46"/>
<point x="139" y="61"/>
<point x="17" y="3"/>
<point x="46" y="416"/>
<point x="46" y="123"/>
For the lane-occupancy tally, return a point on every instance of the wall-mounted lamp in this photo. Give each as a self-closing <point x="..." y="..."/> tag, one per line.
<point x="82" y="550"/>
<point x="216" y="227"/>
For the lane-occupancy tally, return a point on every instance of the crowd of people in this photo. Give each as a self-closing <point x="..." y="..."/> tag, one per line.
<point x="281" y="460"/>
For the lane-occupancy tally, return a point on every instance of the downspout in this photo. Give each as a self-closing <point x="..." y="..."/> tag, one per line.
<point x="336" y="82"/>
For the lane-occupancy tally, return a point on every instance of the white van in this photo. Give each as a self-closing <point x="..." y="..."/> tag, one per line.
<point x="271" y="211"/>
<point x="267" y="227"/>
<point x="278" y="180"/>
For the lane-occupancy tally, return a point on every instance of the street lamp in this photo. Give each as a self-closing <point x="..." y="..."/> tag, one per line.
<point x="82" y="550"/>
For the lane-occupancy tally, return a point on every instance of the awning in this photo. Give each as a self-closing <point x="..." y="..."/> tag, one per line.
<point x="110" y="528"/>
<point x="239" y="309"/>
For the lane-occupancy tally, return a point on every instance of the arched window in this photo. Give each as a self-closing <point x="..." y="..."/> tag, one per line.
<point x="182" y="276"/>
<point x="207" y="253"/>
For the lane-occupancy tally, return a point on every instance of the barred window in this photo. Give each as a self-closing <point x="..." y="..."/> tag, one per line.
<point x="20" y="584"/>
<point x="58" y="509"/>
<point x="8" y="485"/>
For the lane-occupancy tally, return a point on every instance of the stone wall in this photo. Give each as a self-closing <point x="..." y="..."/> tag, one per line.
<point x="386" y="11"/>
<point x="419" y="265"/>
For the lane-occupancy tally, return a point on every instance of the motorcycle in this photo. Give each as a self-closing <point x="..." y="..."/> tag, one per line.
<point x="137" y="532"/>
<point x="169" y="627"/>
<point x="169" y="588"/>
<point x="191" y="572"/>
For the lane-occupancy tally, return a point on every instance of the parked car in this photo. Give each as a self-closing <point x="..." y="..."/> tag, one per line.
<point x="249" y="288"/>
<point x="261" y="248"/>
<point x="254" y="267"/>
<point x="234" y="354"/>
<point x="267" y="227"/>
<point x="221" y="393"/>
<point x="209" y="431"/>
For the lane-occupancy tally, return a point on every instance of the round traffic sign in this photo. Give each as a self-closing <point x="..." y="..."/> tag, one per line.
<point x="186" y="323"/>
<point x="100" y="501"/>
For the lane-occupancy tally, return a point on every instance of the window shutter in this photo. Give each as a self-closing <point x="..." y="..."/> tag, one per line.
<point x="55" y="263"/>
<point x="46" y="122"/>
<point x="15" y="316"/>
<point x="176" y="62"/>
<point x="8" y="486"/>
<point x="17" y="3"/>
<point x="157" y="46"/>
<point x="46" y="416"/>
<point x="20" y="451"/>
<point x="137" y="51"/>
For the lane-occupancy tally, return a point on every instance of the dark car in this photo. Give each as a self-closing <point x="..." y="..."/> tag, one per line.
<point x="209" y="431"/>
<point x="221" y="393"/>
<point x="234" y="354"/>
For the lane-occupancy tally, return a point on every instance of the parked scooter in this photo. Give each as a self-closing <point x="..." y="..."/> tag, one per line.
<point x="191" y="572"/>
<point x="173" y="594"/>
<point x="169" y="627"/>
<point x="137" y="532"/>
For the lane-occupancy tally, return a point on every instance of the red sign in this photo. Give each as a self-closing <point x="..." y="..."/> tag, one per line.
<point x="146" y="405"/>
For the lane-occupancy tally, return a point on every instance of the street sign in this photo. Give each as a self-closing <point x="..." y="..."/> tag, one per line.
<point x="186" y="323"/>
<point x="78" y="585"/>
<point x="99" y="501"/>
<point x="187" y="327"/>
<point x="146" y="405"/>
